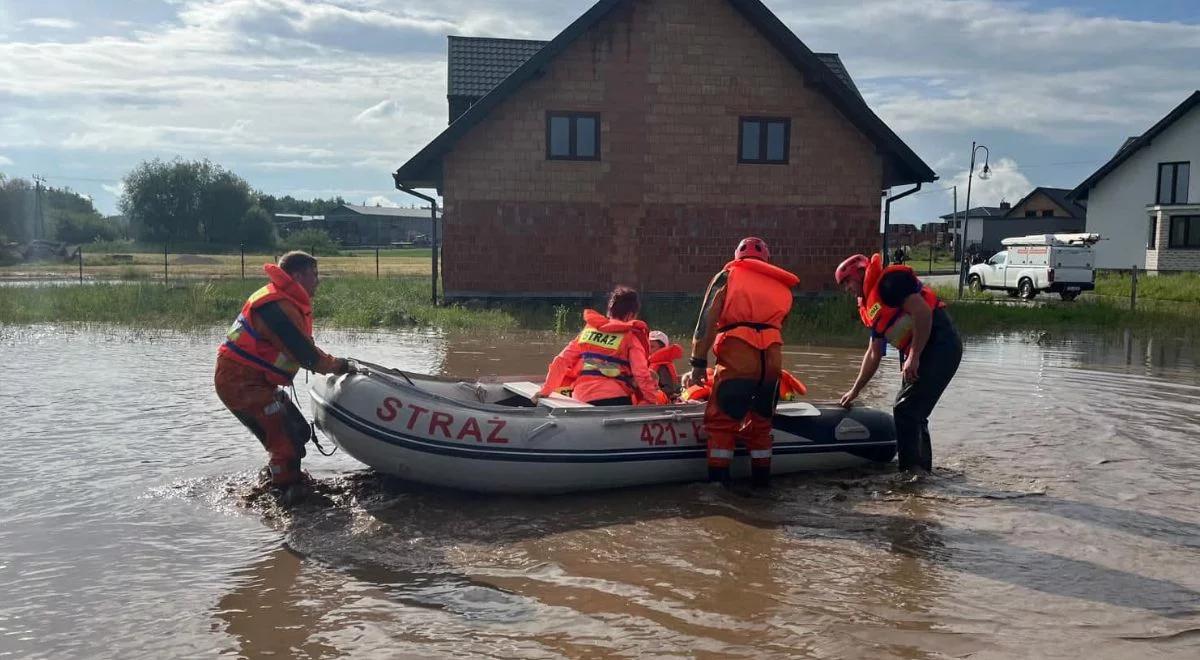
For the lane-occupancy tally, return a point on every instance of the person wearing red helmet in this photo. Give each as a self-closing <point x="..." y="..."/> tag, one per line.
<point x="901" y="311"/>
<point x="741" y="321"/>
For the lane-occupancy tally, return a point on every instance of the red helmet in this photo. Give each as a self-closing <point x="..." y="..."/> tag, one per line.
<point x="854" y="264"/>
<point x="752" y="248"/>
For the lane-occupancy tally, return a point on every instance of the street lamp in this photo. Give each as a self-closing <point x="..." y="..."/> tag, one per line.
<point x="962" y="239"/>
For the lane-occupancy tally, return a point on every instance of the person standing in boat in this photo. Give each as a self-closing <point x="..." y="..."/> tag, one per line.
<point x="903" y="312"/>
<point x="609" y="358"/>
<point x="741" y="321"/>
<point x="268" y="343"/>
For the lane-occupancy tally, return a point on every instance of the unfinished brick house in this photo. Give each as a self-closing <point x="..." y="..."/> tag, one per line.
<point x="642" y="142"/>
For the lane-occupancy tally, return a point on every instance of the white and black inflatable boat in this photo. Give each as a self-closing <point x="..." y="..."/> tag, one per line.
<point x="489" y="437"/>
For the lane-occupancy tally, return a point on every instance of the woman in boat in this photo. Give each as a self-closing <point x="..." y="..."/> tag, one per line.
<point x="609" y="358"/>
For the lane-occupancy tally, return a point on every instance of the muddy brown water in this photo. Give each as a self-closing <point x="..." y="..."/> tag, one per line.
<point x="1063" y="522"/>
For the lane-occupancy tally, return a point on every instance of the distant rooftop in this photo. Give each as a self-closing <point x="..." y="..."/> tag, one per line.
<point x="389" y="211"/>
<point x="978" y="212"/>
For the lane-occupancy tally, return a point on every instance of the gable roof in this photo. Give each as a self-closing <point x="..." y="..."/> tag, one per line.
<point x="977" y="212"/>
<point x="475" y="65"/>
<point x="1133" y="145"/>
<point x="1057" y="195"/>
<point x="902" y="165"/>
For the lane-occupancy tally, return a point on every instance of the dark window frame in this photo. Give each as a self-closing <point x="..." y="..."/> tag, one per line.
<point x="1030" y="214"/>
<point x="1152" y="239"/>
<point x="573" y="137"/>
<point x="1047" y="213"/>
<point x="1191" y="225"/>
<point x="762" y="140"/>
<point x="1174" y="165"/>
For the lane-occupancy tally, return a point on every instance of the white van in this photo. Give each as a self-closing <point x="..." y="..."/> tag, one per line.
<point x="1060" y="263"/>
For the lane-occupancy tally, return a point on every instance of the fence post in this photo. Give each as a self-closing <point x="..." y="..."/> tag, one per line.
<point x="79" y="252"/>
<point x="165" y="280"/>
<point x="931" y="257"/>
<point x="243" y="247"/>
<point x="1133" y="290"/>
<point x="376" y="262"/>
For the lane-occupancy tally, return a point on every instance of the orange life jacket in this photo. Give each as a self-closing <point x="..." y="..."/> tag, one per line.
<point x="604" y="348"/>
<point x="790" y="387"/>
<point x="665" y="357"/>
<point x="243" y="344"/>
<point x="758" y="298"/>
<point x="891" y="323"/>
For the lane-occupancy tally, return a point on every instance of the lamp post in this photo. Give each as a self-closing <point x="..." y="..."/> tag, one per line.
<point x="962" y="272"/>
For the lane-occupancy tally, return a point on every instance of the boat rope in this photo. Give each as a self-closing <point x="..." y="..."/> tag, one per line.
<point x="312" y="426"/>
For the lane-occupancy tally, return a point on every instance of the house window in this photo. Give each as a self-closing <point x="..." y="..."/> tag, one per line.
<point x="1185" y="232"/>
<point x="1173" y="183"/>
<point x="1031" y="214"/>
<point x="1048" y="213"/>
<point x="764" y="140"/>
<point x="1152" y="239"/>
<point x="572" y="136"/>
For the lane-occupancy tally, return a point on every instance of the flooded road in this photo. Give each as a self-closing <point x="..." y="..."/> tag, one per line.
<point x="1063" y="522"/>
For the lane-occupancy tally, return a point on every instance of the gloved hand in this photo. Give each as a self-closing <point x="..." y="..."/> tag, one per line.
<point x="696" y="376"/>
<point x="345" y="366"/>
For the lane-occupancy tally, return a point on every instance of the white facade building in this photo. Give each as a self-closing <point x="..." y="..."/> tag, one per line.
<point x="1143" y="202"/>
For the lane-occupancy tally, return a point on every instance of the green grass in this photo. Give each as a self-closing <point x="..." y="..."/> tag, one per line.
<point x="1181" y="287"/>
<point x="357" y="302"/>
<point x="349" y="303"/>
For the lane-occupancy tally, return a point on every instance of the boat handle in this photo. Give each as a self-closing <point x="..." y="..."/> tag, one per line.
<point x="538" y="431"/>
<point x="673" y="416"/>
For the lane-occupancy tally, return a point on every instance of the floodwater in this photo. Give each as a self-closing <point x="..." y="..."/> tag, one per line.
<point x="1063" y="522"/>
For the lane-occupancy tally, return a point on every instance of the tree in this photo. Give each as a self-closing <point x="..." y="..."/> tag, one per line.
<point x="16" y="199"/>
<point x="225" y="200"/>
<point x="256" y="229"/>
<point x="289" y="204"/>
<point x="69" y="216"/>
<point x="186" y="201"/>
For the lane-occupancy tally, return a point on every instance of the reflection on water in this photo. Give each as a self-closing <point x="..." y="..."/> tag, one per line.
<point x="1063" y="522"/>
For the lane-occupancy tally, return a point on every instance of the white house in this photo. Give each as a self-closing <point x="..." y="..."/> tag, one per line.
<point x="1145" y="201"/>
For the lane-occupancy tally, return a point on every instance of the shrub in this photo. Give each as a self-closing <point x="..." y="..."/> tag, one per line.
<point x="314" y="241"/>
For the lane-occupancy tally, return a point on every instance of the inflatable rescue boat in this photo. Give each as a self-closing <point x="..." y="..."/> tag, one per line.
<point x="490" y="437"/>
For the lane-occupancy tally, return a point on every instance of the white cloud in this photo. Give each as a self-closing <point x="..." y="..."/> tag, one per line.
<point x="379" y="112"/>
<point x="380" y="200"/>
<point x="331" y="95"/>
<point x="5" y="161"/>
<point x="116" y="190"/>
<point x="1005" y="183"/>
<point x="52" y="23"/>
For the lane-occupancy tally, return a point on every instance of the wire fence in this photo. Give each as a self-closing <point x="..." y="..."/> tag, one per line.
<point x="170" y="267"/>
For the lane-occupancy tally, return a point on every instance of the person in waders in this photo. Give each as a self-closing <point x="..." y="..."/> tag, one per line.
<point x="901" y="311"/>
<point x="741" y="321"/>
<point x="265" y="347"/>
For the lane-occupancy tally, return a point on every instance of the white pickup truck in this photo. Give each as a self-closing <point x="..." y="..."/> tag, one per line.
<point x="1058" y="263"/>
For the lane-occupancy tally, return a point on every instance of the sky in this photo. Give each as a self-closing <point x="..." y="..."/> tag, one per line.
<point x="329" y="97"/>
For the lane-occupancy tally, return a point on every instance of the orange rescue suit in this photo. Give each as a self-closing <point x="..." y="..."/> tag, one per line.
<point x="753" y="303"/>
<point x="252" y="364"/>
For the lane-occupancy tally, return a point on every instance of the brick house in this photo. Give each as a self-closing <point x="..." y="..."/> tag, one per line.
<point x="642" y="142"/>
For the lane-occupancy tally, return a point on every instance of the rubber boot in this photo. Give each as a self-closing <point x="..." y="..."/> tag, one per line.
<point x="760" y="477"/>
<point x="720" y="475"/>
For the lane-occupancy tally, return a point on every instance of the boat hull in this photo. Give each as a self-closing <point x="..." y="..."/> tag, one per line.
<point x="459" y="435"/>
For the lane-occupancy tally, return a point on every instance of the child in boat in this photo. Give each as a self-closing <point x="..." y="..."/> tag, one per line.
<point x="663" y="355"/>
<point x="609" y="358"/>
